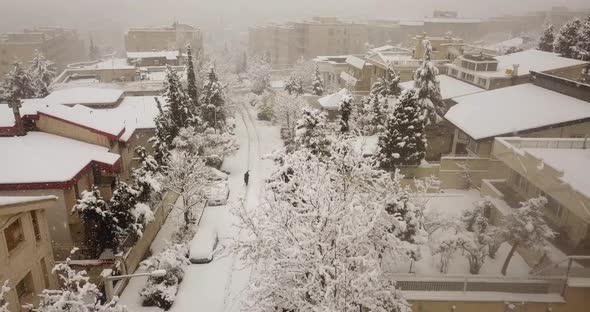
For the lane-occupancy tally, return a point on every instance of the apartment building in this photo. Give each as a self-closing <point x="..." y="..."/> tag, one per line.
<point x="284" y="44"/>
<point x="493" y="72"/>
<point x="174" y="38"/>
<point x="549" y="106"/>
<point x="26" y="258"/>
<point x="59" y="45"/>
<point x="86" y="137"/>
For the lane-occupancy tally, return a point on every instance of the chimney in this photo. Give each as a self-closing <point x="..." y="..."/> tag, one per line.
<point x="515" y="70"/>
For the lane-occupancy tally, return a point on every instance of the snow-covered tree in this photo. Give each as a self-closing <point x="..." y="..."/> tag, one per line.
<point x="388" y="85"/>
<point x="102" y="231"/>
<point x="526" y="227"/>
<point x="146" y="176"/>
<point x="286" y="111"/>
<point x="294" y="85"/>
<point x="259" y="76"/>
<point x="42" y="74"/>
<point x="76" y="293"/>
<point x="213" y="102"/>
<point x="186" y="175"/>
<point x="17" y="85"/>
<point x="4" y="289"/>
<point x="345" y="109"/>
<point x="191" y="86"/>
<point x="161" y="291"/>
<point x="567" y="38"/>
<point x="374" y="113"/>
<point x="547" y="38"/>
<point x="319" y="241"/>
<point x="311" y="131"/>
<point x="317" y="83"/>
<point x="582" y="47"/>
<point x="211" y="145"/>
<point x="131" y="215"/>
<point x="176" y="101"/>
<point x="428" y="87"/>
<point x="474" y="250"/>
<point x="446" y="247"/>
<point x="404" y="141"/>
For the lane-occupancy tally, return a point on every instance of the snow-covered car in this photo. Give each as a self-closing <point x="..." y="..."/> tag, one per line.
<point x="203" y="245"/>
<point x="217" y="175"/>
<point x="217" y="193"/>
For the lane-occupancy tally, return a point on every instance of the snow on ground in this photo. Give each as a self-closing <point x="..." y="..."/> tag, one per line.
<point x="219" y="285"/>
<point x="450" y="205"/>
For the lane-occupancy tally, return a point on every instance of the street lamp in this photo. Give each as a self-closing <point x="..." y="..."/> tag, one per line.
<point x="108" y="279"/>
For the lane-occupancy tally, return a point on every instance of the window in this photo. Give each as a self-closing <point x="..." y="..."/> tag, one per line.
<point x="36" y="228"/>
<point x="473" y="146"/>
<point x="467" y="77"/>
<point x="25" y="289"/>
<point x="14" y="235"/>
<point x="492" y="66"/>
<point x="482" y="81"/>
<point x="43" y="265"/>
<point x="454" y="72"/>
<point x="481" y="67"/>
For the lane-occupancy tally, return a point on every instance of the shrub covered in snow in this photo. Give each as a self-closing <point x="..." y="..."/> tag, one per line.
<point x="3" y="290"/>
<point x="311" y="132"/>
<point x="161" y="291"/>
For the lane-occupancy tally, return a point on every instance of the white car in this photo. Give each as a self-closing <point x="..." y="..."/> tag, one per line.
<point x="217" y="193"/>
<point x="203" y="245"/>
<point x="217" y="175"/>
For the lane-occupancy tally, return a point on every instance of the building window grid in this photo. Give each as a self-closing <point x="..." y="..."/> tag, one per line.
<point x="14" y="235"/>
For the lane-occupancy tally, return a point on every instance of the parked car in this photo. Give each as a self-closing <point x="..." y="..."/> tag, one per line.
<point x="217" y="175"/>
<point x="217" y="193"/>
<point x="203" y="245"/>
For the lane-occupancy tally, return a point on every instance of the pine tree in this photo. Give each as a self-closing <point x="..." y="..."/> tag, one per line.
<point x="164" y="135"/>
<point x="145" y="176"/>
<point x="428" y="88"/>
<point x="101" y="226"/>
<point x="582" y="48"/>
<point x="345" y="112"/>
<point x="403" y="142"/>
<point x="41" y="74"/>
<point x="17" y="85"/>
<point x="121" y="204"/>
<point x="547" y="39"/>
<point x="259" y="76"/>
<point x="310" y="132"/>
<point x="175" y="100"/>
<point x="191" y="88"/>
<point x="317" y="83"/>
<point x="294" y="85"/>
<point x="567" y="38"/>
<point x="526" y="227"/>
<point x="387" y="86"/>
<point x="213" y="102"/>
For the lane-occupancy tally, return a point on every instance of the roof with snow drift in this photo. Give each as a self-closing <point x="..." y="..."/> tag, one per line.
<point x="449" y="87"/>
<point x="514" y="109"/>
<point x="332" y="101"/>
<point x="34" y="161"/>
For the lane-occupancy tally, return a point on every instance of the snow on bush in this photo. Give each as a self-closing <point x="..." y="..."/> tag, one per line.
<point x="161" y="291"/>
<point x="3" y="290"/>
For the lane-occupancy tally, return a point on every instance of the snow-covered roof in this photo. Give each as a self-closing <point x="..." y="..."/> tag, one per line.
<point x="279" y="84"/>
<point x="17" y="200"/>
<point x="87" y="117"/>
<point x="84" y="95"/>
<point x="531" y="60"/>
<point x="169" y="55"/>
<point x="44" y="158"/>
<point x="390" y="48"/>
<point x="113" y="63"/>
<point x="356" y="62"/>
<point x="332" y="101"/>
<point x="573" y="163"/>
<point x="514" y="109"/>
<point x="449" y="87"/>
<point x="453" y="20"/>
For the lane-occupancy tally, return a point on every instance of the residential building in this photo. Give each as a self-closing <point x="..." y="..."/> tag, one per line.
<point x="59" y="45"/>
<point x="26" y="259"/>
<point x="550" y="107"/>
<point x="160" y="58"/>
<point x="466" y="28"/>
<point x="174" y="38"/>
<point x="493" y="72"/>
<point x="330" y="68"/>
<point x="557" y="169"/>
<point x="384" y="32"/>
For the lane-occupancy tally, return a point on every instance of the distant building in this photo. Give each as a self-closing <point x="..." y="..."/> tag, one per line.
<point x="174" y="38"/>
<point x="26" y="259"/>
<point x="493" y="72"/>
<point x="59" y="45"/>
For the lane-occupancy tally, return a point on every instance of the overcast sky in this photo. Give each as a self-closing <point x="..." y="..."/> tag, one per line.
<point x="88" y="15"/>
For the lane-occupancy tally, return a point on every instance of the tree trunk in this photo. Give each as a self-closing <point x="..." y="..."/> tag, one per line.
<point x="509" y="257"/>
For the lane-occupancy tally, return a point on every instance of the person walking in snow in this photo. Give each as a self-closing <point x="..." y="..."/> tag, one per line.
<point x="246" y="177"/>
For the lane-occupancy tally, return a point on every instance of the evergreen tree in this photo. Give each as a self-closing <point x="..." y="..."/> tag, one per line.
<point x="41" y="74"/>
<point x="345" y="112"/>
<point x="317" y="83"/>
<point x="388" y="85"/>
<point x="582" y="48"/>
<point x="294" y="85"/>
<point x="428" y="88"/>
<point x="164" y="134"/>
<point x="567" y="38"/>
<point x="213" y="101"/>
<point x="310" y="132"/>
<point x="145" y="176"/>
<point x="547" y="39"/>
<point x="101" y="226"/>
<point x="121" y="204"/>
<point x="191" y="88"/>
<point x="175" y="100"/>
<point x="403" y="142"/>
<point x="17" y="85"/>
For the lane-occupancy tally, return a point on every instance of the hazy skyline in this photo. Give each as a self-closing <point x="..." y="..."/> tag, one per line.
<point x="87" y="15"/>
